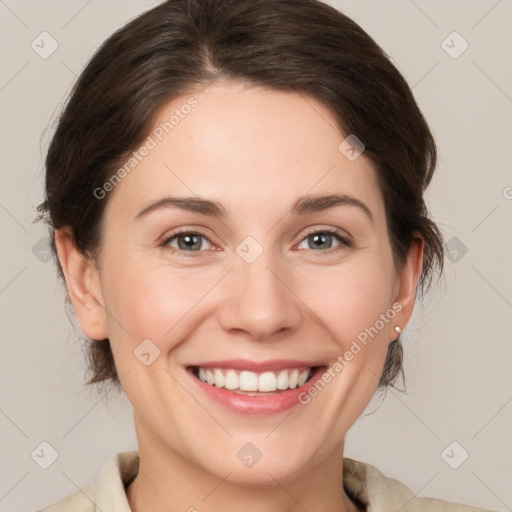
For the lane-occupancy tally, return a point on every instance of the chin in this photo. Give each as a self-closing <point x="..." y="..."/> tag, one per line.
<point x="253" y="460"/>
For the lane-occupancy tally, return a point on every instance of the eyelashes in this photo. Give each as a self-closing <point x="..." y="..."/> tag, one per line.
<point x="190" y="239"/>
<point x="194" y="243"/>
<point x="320" y="235"/>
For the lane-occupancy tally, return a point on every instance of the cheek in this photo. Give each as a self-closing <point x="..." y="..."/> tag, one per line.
<point x="151" y="301"/>
<point x="352" y="298"/>
<point x="164" y="303"/>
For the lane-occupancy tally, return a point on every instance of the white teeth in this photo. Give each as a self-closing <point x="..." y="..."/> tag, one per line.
<point x="282" y="380"/>
<point x="231" y="380"/>
<point x="293" y="379"/>
<point x="266" y="382"/>
<point x="303" y="377"/>
<point x="209" y="377"/>
<point x="219" y="378"/>
<point x="248" y="381"/>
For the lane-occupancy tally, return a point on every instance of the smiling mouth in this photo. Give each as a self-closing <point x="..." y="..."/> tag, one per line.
<point x="250" y="383"/>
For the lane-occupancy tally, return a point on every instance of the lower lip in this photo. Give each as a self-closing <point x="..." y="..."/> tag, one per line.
<point x="272" y="403"/>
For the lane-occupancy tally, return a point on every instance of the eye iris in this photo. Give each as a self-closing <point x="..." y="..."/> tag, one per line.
<point x="321" y="240"/>
<point x="189" y="242"/>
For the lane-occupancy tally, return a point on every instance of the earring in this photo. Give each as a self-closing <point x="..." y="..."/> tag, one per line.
<point x="398" y="330"/>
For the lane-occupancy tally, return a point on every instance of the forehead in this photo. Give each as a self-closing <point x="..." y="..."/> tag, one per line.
<point x="236" y="144"/>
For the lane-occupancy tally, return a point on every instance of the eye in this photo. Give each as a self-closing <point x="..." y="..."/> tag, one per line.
<point x="188" y="241"/>
<point x="323" y="240"/>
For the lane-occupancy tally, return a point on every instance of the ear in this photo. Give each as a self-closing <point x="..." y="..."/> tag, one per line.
<point x="83" y="283"/>
<point x="408" y="279"/>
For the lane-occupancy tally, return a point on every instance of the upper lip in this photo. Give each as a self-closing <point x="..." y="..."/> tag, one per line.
<point x="256" y="366"/>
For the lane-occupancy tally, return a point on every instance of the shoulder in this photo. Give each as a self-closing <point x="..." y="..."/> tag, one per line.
<point x="80" y="501"/>
<point x="108" y="492"/>
<point x="380" y="492"/>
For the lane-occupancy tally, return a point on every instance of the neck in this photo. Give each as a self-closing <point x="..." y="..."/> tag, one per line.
<point x="168" y="482"/>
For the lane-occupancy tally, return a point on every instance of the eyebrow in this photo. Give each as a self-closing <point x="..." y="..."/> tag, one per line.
<point x="308" y="204"/>
<point x="191" y="204"/>
<point x="305" y="204"/>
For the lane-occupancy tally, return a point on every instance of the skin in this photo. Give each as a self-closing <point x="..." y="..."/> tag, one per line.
<point x="256" y="152"/>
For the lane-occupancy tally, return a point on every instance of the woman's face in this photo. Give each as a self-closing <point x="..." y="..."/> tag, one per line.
<point x="265" y="285"/>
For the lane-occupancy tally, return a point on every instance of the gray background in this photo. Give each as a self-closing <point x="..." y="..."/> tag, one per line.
<point x="458" y="346"/>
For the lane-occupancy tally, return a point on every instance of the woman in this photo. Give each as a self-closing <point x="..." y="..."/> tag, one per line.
<point x="235" y="194"/>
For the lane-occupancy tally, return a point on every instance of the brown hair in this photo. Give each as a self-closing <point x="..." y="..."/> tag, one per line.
<point x="300" y="46"/>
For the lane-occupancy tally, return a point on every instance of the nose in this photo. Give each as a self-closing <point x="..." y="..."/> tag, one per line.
<point x="259" y="301"/>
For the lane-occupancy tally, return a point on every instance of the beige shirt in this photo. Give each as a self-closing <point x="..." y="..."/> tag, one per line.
<point x="361" y="481"/>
